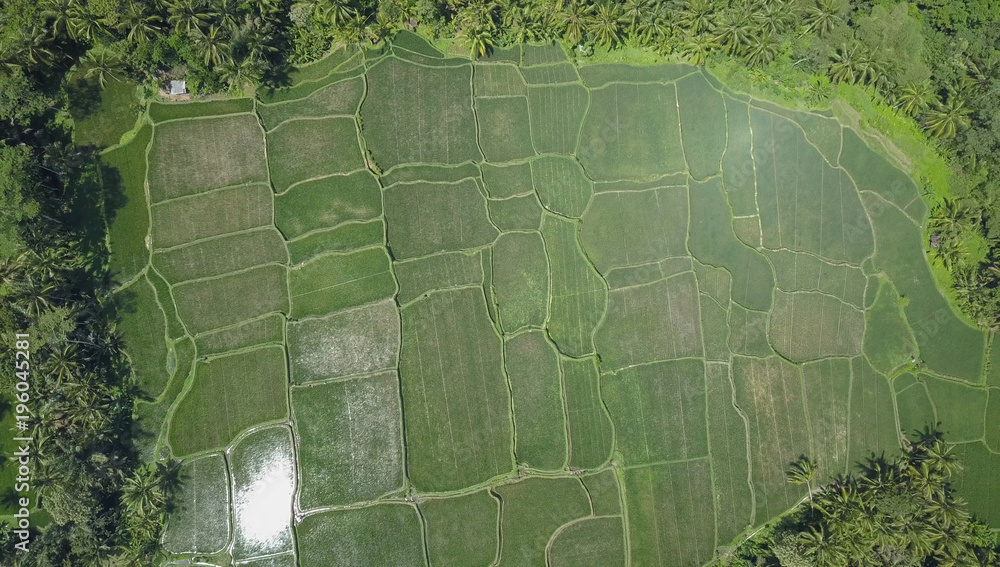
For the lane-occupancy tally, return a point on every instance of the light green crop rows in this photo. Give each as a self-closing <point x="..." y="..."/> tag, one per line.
<point x="417" y="309"/>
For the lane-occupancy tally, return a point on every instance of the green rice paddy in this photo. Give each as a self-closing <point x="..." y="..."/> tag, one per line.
<point x="417" y="310"/>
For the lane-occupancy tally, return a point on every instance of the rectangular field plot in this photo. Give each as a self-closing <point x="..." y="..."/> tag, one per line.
<point x="498" y="80"/>
<point x="504" y="181"/>
<point x="578" y="297"/>
<point x="715" y="329"/>
<point x="350" y="440"/>
<point x="873" y="427"/>
<point x="992" y="435"/>
<point x="440" y="271"/>
<point x="516" y="213"/>
<point x="888" y="341"/>
<point x="520" y="280"/>
<point x="438" y="120"/>
<point x="737" y="162"/>
<point x="648" y="323"/>
<point x="308" y="148"/>
<point x="539" y="422"/>
<point x="160" y="112"/>
<point x="338" y="281"/>
<point x="233" y="298"/>
<point x="503" y="128"/>
<point x="221" y="255"/>
<point x="769" y="391"/>
<point x="703" y="124"/>
<point x="827" y="385"/>
<point x="344" y="238"/>
<point x="914" y="406"/>
<point x="533" y="510"/>
<point x="556" y="114"/>
<point x="561" y="184"/>
<point x="711" y="241"/>
<point x="200" y="523"/>
<point x="658" y="411"/>
<point x="191" y="156"/>
<point x="458" y="410"/>
<point x="807" y="326"/>
<point x="961" y="409"/>
<point x="327" y="202"/>
<point x="263" y="469"/>
<point x="384" y="535"/>
<point x="631" y="132"/>
<point x="124" y="169"/>
<point x="946" y="343"/>
<point x="357" y="341"/>
<point x="542" y="54"/>
<point x="550" y="74"/>
<point x="628" y="229"/>
<point x="230" y="394"/>
<point x="822" y="215"/>
<point x="590" y="430"/>
<point x="604" y="492"/>
<point x="143" y="329"/>
<point x="596" y="542"/>
<point x="978" y="481"/>
<point x="267" y="329"/>
<point x="220" y="212"/>
<point x="425" y="218"/>
<point x="670" y="514"/>
<point x="727" y="435"/>
<point x="340" y="98"/>
<point x="462" y="529"/>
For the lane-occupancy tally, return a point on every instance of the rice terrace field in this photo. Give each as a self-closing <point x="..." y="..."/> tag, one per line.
<point x="417" y="310"/>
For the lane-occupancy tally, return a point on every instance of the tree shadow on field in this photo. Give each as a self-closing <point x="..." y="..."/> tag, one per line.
<point x="84" y="97"/>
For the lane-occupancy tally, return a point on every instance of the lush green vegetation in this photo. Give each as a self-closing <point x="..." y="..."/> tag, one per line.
<point x="894" y="510"/>
<point x="102" y="502"/>
<point x="621" y="307"/>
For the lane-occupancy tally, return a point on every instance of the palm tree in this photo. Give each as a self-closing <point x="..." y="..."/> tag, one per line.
<point x="697" y="16"/>
<point x="802" y="471"/>
<point x="189" y="16"/>
<point x="475" y="24"/>
<point x="333" y="11"/>
<point x="763" y="49"/>
<point x="35" y="46"/>
<point x="846" y="67"/>
<point x="776" y="17"/>
<point x="86" y="26"/>
<point x="947" y="119"/>
<point x="575" y="16"/>
<point x="103" y="63"/>
<point x="734" y="32"/>
<point x="916" y="97"/>
<point x="214" y="46"/>
<point x="696" y="48"/>
<point x="605" y="24"/>
<point x="823" y="17"/>
<point x="142" y="492"/>
<point x="635" y="14"/>
<point x="139" y="26"/>
<point x="61" y="13"/>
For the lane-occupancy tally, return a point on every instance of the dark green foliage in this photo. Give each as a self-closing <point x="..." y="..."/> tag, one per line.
<point x="894" y="510"/>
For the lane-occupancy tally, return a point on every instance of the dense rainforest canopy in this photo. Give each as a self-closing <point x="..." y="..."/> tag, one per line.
<point x="934" y="64"/>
